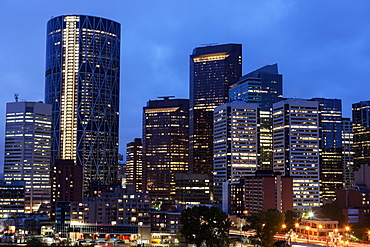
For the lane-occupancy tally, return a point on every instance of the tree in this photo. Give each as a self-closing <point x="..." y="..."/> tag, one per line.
<point x="332" y="211"/>
<point x="266" y="224"/>
<point x="204" y="224"/>
<point x="291" y="218"/>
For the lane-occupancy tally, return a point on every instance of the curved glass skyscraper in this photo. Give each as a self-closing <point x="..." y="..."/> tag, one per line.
<point x="82" y="84"/>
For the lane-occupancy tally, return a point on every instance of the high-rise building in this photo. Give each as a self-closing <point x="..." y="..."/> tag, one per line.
<point x="347" y="153"/>
<point x="165" y="145"/>
<point x="330" y="144"/>
<point x="82" y="83"/>
<point x="264" y="87"/>
<point x="27" y="150"/>
<point x="212" y="70"/>
<point x="134" y="164"/>
<point x="361" y="133"/>
<point x="236" y="154"/>
<point x="296" y="148"/>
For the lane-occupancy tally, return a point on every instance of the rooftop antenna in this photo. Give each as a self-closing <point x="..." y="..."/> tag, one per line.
<point x="166" y="97"/>
<point x="16" y="97"/>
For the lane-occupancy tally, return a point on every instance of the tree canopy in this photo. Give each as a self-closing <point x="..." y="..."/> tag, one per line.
<point x="205" y="224"/>
<point x="332" y="211"/>
<point x="266" y="224"/>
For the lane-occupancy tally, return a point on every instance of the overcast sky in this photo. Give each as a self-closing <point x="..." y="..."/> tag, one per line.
<point x="322" y="47"/>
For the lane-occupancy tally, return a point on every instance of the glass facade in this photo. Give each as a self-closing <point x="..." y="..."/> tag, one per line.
<point x="165" y="145"/>
<point x="331" y="161"/>
<point x="212" y="70"/>
<point x="82" y="84"/>
<point x="263" y="87"/>
<point x="361" y="133"/>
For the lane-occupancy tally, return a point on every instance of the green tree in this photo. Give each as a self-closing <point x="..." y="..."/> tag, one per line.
<point x="266" y="224"/>
<point x="291" y="218"/>
<point x="332" y="211"/>
<point x="205" y="225"/>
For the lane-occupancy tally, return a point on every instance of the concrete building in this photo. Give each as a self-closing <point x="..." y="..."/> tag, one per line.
<point x="193" y="189"/>
<point x="27" y="150"/>
<point x="296" y="149"/>
<point x="265" y="190"/>
<point x="165" y="145"/>
<point x="235" y="148"/>
<point x="134" y="164"/>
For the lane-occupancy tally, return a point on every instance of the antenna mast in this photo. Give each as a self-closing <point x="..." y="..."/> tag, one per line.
<point x="16" y="97"/>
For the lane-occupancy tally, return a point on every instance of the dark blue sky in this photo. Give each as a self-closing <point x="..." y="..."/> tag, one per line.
<point x="322" y="47"/>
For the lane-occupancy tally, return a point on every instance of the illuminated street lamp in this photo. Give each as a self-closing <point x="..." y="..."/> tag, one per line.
<point x="310" y="214"/>
<point x="347" y="228"/>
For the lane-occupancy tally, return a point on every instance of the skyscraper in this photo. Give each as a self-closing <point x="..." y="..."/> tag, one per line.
<point x="236" y="136"/>
<point x="296" y="148"/>
<point x="264" y="87"/>
<point x="165" y="145"/>
<point x="82" y="84"/>
<point x="27" y="150"/>
<point x="330" y="144"/>
<point x="212" y="70"/>
<point x="361" y="133"/>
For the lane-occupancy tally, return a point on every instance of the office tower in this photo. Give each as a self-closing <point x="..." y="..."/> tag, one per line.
<point x="330" y="145"/>
<point x="212" y="70"/>
<point x="347" y="153"/>
<point x="361" y="133"/>
<point x="82" y="83"/>
<point x="264" y="87"/>
<point x="296" y="148"/>
<point x="134" y="164"/>
<point x="66" y="182"/>
<point x="12" y="198"/>
<point x="165" y="145"/>
<point x="27" y="150"/>
<point x="236" y="130"/>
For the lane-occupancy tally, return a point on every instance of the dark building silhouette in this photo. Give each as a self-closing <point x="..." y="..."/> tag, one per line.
<point x="165" y="145"/>
<point x="361" y="133"/>
<point x="66" y="182"/>
<point x="212" y="70"/>
<point x="82" y="84"/>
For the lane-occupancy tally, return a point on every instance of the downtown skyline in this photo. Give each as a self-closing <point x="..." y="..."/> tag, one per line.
<point x="318" y="48"/>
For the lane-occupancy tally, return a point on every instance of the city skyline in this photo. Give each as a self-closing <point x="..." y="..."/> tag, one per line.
<point x="327" y="50"/>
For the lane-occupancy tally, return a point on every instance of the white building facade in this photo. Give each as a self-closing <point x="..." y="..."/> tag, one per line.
<point x="27" y="150"/>
<point x="236" y="140"/>
<point x="296" y="149"/>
